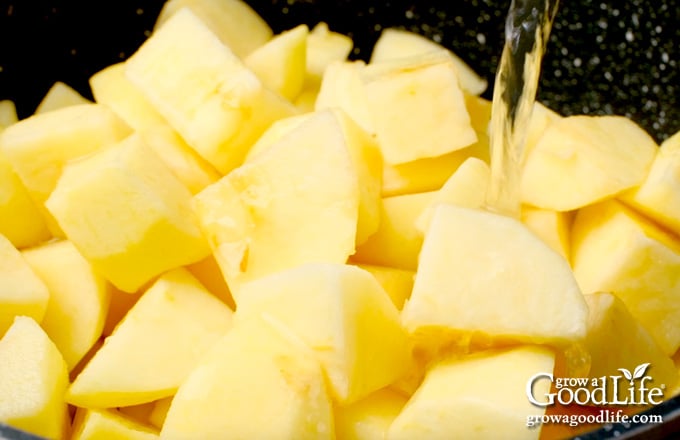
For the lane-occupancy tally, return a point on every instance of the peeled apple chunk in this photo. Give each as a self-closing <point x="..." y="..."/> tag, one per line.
<point x="155" y="347"/>
<point x="614" y="249"/>
<point x="466" y="187"/>
<point x="343" y="88"/>
<point x="417" y="108"/>
<point x="8" y="113"/>
<point x="264" y="217"/>
<point x="343" y="314"/>
<point x="112" y="88"/>
<point x="22" y="293"/>
<point x="580" y="160"/>
<point x="363" y="151"/>
<point x="20" y="220"/>
<point x="428" y="174"/>
<point x="127" y="214"/>
<point x="398" y="283"/>
<point x="33" y="379"/>
<point x="483" y="273"/>
<point x="396" y="43"/>
<point x="323" y="48"/>
<point x="480" y="396"/>
<point x="281" y="62"/>
<point x="553" y="227"/>
<point x="40" y="146"/>
<point x="204" y="90"/>
<point x="659" y="195"/>
<point x="235" y="23"/>
<point x="610" y="324"/>
<point x="58" y="96"/>
<point x="397" y="241"/>
<point x="191" y="169"/>
<point x="256" y="383"/>
<point x="78" y="303"/>
<point x="92" y="424"/>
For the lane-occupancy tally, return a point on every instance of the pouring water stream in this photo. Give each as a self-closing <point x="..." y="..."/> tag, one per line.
<point x="527" y="29"/>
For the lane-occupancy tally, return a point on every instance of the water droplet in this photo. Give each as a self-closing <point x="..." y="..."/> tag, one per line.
<point x="577" y="62"/>
<point x="481" y="38"/>
<point x="409" y="14"/>
<point x="629" y="35"/>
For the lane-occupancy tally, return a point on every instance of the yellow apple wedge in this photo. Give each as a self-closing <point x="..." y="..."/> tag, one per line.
<point x="155" y="347"/>
<point x="234" y="22"/>
<point x="659" y="195"/>
<point x="191" y="169"/>
<point x="614" y="249"/>
<point x="524" y="291"/>
<point x="264" y="217"/>
<point x="397" y="241"/>
<point x="204" y="90"/>
<point x="8" y="113"/>
<point x="58" y="96"/>
<point x="78" y="303"/>
<point x="396" y="43"/>
<point x="364" y="153"/>
<point x="428" y="174"/>
<point x="398" y="283"/>
<point x="323" y="48"/>
<point x="113" y="89"/>
<point x="93" y="424"/>
<point x="342" y="313"/>
<point x="20" y="219"/>
<point x="417" y="108"/>
<point x="40" y="146"/>
<point x="22" y="292"/>
<point x="482" y="395"/>
<point x="580" y="160"/>
<point x="257" y="383"/>
<point x="281" y="62"/>
<point x="553" y="227"/>
<point x="610" y="324"/>
<point x="466" y="187"/>
<point x="33" y="379"/>
<point x="148" y="225"/>
<point x="342" y="87"/>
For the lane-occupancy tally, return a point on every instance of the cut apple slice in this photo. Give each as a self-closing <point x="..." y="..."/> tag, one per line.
<point x="234" y="22"/>
<point x="204" y="90"/>
<point x="580" y="160"/>
<point x="398" y="43"/>
<point x="615" y="249"/>
<point x="485" y="274"/>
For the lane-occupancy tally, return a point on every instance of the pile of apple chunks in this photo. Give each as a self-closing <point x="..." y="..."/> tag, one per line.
<point x="248" y="236"/>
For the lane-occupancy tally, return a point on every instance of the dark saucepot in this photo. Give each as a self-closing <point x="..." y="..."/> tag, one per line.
<point x="604" y="57"/>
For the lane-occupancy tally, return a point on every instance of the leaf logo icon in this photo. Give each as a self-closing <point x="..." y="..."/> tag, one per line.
<point x="640" y="370"/>
<point x="627" y="374"/>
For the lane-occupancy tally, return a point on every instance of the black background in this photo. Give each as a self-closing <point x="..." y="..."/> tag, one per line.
<point x="612" y="56"/>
